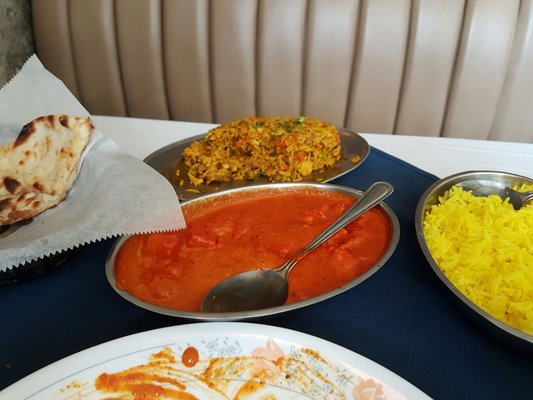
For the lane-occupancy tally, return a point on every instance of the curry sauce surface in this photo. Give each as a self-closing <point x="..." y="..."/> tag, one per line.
<point x="224" y="238"/>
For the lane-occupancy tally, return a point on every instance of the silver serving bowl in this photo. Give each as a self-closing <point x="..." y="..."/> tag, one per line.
<point x="493" y="326"/>
<point x="244" y="315"/>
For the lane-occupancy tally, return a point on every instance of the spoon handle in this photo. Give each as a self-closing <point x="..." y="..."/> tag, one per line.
<point x="525" y="196"/>
<point x="374" y="195"/>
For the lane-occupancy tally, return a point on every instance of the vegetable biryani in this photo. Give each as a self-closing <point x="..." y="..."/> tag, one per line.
<point x="485" y="248"/>
<point x="282" y="149"/>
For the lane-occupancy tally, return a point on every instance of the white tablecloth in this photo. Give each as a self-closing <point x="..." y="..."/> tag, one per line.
<point x="439" y="156"/>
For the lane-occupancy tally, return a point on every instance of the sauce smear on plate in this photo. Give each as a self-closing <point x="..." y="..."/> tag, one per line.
<point x="255" y="230"/>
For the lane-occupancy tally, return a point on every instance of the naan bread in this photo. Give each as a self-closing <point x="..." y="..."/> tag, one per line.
<point x="38" y="169"/>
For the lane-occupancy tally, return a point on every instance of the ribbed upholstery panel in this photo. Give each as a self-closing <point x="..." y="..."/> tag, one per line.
<point x="434" y="36"/>
<point x="481" y="68"/>
<point x="97" y="64"/>
<point x="141" y="60"/>
<point x="456" y="68"/>
<point x="186" y="59"/>
<point x="379" y="65"/>
<point x="331" y="33"/>
<point x="280" y="58"/>
<point x="233" y="31"/>
<point x="514" y="115"/>
<point x="53" y="40"/>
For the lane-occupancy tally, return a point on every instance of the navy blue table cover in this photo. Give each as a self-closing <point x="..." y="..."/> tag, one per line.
<point x="402" y="317"/>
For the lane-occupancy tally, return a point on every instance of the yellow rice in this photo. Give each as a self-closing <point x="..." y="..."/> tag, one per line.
<point x="279" y="148"/>
<point x="485" y="248"/>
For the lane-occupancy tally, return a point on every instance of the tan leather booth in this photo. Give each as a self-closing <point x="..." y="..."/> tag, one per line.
<point x="454" y="68"/>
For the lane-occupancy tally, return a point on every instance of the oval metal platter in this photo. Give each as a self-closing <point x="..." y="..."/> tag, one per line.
<point x="266" y="312"/>
<point x="168" y="161"/>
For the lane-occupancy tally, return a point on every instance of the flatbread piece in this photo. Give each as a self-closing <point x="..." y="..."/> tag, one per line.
<point x="40" y="166"/>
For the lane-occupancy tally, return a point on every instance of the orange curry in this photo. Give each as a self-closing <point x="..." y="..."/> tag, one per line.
<point x="234" y="234"/>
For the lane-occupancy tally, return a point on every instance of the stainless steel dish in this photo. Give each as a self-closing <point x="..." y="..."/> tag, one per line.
<point x="168" y="160"/>
<point x="493" y="326"/>
<point x="244" y="315"/>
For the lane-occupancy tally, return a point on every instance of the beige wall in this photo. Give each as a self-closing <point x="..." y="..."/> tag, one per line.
<point x="16" y="37"/>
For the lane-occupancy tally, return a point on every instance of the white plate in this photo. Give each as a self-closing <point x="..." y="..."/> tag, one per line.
<point x="289" y="365"/>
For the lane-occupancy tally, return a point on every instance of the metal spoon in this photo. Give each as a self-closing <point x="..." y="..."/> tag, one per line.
<point x="484" y="188"/>
<point x="264" y="288"/>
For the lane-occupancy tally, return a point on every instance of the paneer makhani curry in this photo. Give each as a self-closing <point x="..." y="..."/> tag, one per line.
<point x="258" y="229"/>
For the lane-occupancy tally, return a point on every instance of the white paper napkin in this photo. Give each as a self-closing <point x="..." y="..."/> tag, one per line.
<point x="114" y="194"/>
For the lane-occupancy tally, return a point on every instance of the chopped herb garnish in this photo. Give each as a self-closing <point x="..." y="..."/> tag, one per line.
<point x="299" y="121"/>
